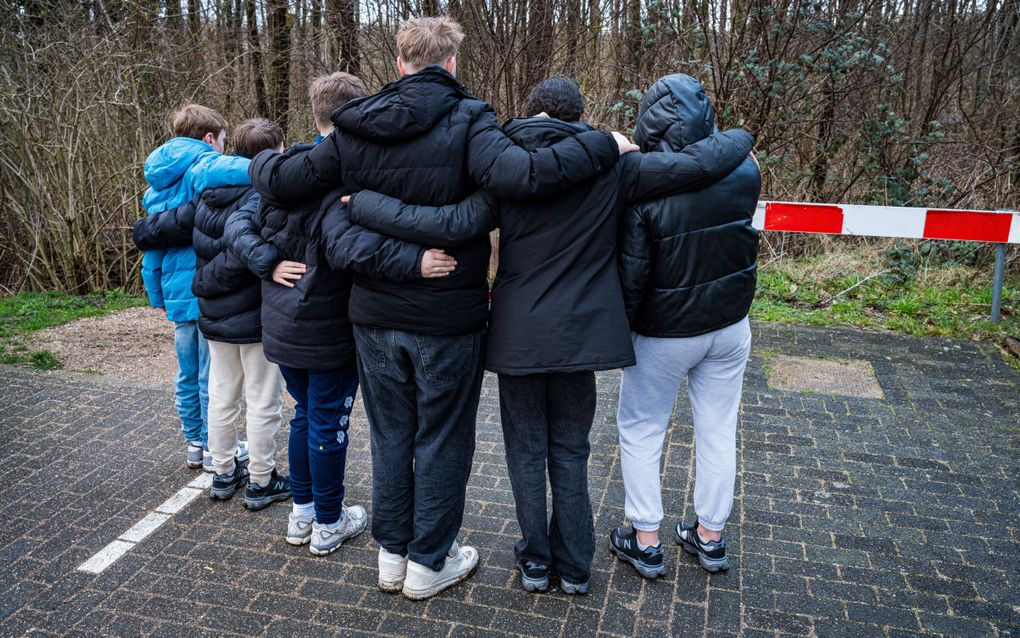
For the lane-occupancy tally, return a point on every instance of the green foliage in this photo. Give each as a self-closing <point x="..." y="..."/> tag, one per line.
<point x="21" y="315"/>
<point x="930" y="291"/>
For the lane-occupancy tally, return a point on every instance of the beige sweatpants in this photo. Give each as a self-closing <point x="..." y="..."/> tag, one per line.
<point x="231" y="368"/>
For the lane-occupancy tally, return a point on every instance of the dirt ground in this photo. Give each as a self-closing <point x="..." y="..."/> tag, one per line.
<point x="135" y="345"/>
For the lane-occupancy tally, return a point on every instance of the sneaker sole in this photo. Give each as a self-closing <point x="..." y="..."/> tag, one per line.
<point x="391" y="588"/>
<point x="192" y="465"/>
<point x="573" y="590"/>
<point x="533" y="585"/>
<point x="712" y="565"/>
<point x="435" y="589"/>
<point x="256" y="504"/>
<point x="222" y="494"/>
<point x="333" y="548"/>
<point x="298" y="541"/>
<point x="651" y="573"/>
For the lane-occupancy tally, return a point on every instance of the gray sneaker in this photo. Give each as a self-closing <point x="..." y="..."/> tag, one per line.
<point x="194" y="455"/>
<point x="240" y="457"/>
<point x="324" y="541"/>
<point x="299" y="529"/>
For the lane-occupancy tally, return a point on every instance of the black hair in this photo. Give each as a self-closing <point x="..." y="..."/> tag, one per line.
<point x="557" y="97"/>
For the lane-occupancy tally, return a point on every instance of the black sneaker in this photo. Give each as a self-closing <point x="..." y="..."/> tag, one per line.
<point x="648" y="562"/>
<point x="258" y="497"/>
<point x="711" y="554"/>
<point x="224" y="485"/>
<point x="534" y="576"/>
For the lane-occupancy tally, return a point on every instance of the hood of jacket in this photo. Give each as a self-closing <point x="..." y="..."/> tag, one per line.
<point x="168" y="163"/>
<point x="675" y="112"/>
<point x="404" y="109"/>
<point x="541" y="132"/>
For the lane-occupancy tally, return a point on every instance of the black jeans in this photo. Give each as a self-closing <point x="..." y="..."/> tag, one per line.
<point x="421" y="397"/>
<point x="546" y="421"/>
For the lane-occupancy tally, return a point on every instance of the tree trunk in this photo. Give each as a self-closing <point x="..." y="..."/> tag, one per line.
<point x="342" y="18"/>
<point x="279" y="53"/>
<point x="258" y="77"/>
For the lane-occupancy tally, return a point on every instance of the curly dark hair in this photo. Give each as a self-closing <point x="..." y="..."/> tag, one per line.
<point x="558" y="97"/>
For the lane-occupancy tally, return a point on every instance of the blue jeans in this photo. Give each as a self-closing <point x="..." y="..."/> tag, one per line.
<point x="546" y="422"/>
<point x="192" y="392"/>
<point x="317" y="450"/>
<point x="421" y="396"/>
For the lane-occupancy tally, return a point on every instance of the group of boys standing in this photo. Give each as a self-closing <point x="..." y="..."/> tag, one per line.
<point x="387" y="289"/>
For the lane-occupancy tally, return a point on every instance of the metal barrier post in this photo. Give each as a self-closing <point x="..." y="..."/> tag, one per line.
<point x="1000" y="267"/>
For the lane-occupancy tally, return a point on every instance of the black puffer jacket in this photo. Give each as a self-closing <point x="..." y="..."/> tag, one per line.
<point x="426" y="140"/>
<point x="229" y="295"/>
<point x="688" y="262"/>
<point x="307" y="326"/>
<point x="557" y="304"/>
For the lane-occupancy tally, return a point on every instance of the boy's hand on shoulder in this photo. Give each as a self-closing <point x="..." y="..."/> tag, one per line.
<point x="436" y="263"/>
<point x="288" y="271"/>
<point x="624" y="144"/>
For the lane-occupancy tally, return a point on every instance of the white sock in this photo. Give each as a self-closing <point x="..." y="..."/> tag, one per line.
<point x="307" y="510"/>
<point x="643" y="547"/>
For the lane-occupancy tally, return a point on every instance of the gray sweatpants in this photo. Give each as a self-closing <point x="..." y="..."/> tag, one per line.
<point x="713" y="364"/>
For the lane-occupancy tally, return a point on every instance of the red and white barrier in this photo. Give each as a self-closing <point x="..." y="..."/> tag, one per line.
<point x="889" y="221"/>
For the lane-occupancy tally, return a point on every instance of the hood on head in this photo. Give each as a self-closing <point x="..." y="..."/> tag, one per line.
<point x="404" y="109"/>
<point x="541" y="132"/>
<point x="675" y="112"/>
<point x="168" y="163"/>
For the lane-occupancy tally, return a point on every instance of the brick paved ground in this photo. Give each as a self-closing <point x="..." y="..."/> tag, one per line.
<point x="854" y="517"/>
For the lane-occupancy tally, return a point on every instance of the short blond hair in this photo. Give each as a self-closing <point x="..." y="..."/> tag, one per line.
<point x="195" y="120"/>
<point x="327" y="93"/>
<point x="425" y="41"/>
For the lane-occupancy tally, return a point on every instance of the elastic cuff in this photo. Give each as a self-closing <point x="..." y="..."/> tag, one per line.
<point x="712" y="527"/>
<point x="646" y="527"/>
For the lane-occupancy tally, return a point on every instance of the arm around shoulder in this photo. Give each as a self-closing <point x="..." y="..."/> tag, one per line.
<point x="508" y="171"/>
<point x="243" y="238"/>
<point x="443" y="226"/>
<point x="658" y="174"/>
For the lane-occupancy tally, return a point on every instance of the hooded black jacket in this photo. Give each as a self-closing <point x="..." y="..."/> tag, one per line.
<point x="307" y="326"/>
<point x="688" y="262"/>
<point x="425" y="139"/>
<point x="557" y="305"/>
<point x="228" y="294"/>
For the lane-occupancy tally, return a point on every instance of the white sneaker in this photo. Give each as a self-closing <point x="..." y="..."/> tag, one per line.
<point x="325" y="540"/>
<point x="421" y="582"/>
<point x="299" y="529"/>
<point x="392" y="569"/>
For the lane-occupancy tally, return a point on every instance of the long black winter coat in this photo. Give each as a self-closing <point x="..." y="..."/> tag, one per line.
<point x="307" y="326"/>
<point x="426" y="140"/>
<point x="688" y="262"/>
<point x="557" y="305"/>
<point x="228" y="294"/>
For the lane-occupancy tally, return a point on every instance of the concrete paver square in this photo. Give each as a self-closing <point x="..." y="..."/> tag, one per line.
<point x="848" y="377"/>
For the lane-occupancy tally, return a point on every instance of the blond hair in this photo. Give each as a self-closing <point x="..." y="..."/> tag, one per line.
<point x="254" y="135"/>
<point x="327" y="93"/>
<point x="195" y="120"/>
<point x="425" y="41"/>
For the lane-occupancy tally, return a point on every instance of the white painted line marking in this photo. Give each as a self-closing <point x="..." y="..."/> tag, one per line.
<point x="179" y="501"/>
<point x="149" y="523"/>
<point x="105" y="557"/>
<point x="144" y="527"/>
<point x="203" y="482"/>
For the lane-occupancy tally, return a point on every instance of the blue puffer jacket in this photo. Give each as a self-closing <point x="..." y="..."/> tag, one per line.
<point x="177" y="172"/>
